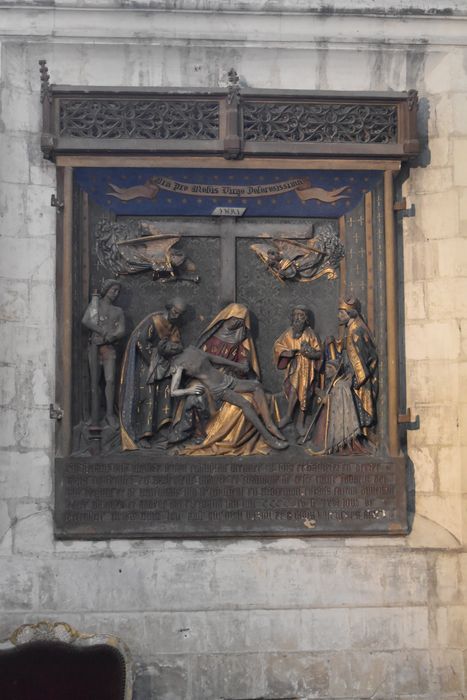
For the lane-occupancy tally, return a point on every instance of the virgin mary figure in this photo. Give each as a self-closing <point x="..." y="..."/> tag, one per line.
<point x="227" y="431"/>
<point x="229" y="335"/>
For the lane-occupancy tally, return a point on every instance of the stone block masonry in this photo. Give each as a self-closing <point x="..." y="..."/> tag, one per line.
<point x="330" y="619"/>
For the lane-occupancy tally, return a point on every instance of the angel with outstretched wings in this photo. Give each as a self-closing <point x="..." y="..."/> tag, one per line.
<point x="304" y="259"/>
<point x="153" y="251"/>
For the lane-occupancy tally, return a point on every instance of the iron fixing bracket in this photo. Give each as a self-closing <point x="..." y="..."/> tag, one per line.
<point x="55" y="412"/>
<point x="54" y="202"/>
<point x="408" y="421"/>
<point x="400" y="208"/>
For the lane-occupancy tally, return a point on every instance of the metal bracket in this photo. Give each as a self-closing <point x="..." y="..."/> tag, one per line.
<point x="407" y="421"/>
<point x="401" y="208"/>
<point x="54" y="202"/>
<point x="55" y="412"/>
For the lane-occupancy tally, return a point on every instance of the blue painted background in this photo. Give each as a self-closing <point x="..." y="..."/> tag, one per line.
<point x="96" y="181"/>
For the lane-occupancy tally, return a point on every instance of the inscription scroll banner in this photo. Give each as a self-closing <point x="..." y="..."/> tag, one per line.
<point x="167" y="191"/>
<point x="212" y="497"/>
<point x="302" y="186"/>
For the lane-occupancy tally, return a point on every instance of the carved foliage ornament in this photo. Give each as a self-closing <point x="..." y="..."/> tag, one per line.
<point x="324" y="123"/>
<point x="139" y="119"/>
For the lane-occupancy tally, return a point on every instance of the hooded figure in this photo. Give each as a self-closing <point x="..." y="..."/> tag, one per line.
<point x="226" y="430"/>
<point x="229" y="335"/>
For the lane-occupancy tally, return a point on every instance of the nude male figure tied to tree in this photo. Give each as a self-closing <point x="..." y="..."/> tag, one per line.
<point x="107" y="325"/>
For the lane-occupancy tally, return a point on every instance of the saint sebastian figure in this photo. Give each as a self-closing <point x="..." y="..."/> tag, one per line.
<point x="298" y="352"/>
<point x="145" y="401"/>
<point x="107" y="325"/>
<point x="197" y="364"/>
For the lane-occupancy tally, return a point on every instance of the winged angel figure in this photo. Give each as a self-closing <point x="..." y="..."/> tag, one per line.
<point x="123" y="253"/>
<point x="304" y="259"/>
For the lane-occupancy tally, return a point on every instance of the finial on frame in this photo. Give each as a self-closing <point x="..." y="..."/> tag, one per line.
<point x="233" y="86"/>
<point x="45" y="81"/>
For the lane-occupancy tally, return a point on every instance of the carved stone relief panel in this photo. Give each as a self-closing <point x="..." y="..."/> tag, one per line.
<point x="228" y="355"/>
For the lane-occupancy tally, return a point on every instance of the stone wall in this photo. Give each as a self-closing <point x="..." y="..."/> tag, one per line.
<point x="318" y="618"/>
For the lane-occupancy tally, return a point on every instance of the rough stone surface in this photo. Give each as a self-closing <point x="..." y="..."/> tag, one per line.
<point x="166" y="677"/>
<point x="382" y="618"/>
<point x="431" y="214"/>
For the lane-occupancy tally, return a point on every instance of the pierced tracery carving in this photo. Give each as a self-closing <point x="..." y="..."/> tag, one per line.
<point x="325" y="123"/>
<point x="139" y="119"/>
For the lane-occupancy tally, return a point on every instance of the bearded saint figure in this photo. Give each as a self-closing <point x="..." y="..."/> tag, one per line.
<point x="145" y="401"/>
<point x="298" y="351"/>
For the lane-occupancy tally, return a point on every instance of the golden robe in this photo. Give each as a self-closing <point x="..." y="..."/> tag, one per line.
<point x="300" y="371"/>
<point x="228" y="432"/>
<point x="245" y="345"/>
<point x="362" y="355"/>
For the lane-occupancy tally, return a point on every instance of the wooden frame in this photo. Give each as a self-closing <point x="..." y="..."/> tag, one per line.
<point x="233" y="150"/>
<point x="64" y="270"/>
<point x="347" y="124"/>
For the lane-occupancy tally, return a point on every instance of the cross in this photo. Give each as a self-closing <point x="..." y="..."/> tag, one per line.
<point x="229" y="230"/>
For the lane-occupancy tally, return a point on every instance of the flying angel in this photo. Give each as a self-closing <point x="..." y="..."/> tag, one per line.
<point x="156" y="252"/>
<point x="302" y="259"/>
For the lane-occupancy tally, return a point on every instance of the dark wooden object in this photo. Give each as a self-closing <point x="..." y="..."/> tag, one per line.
<point x="55" y="671"/>
<point x="230" y="123"/>
<point x="229" y="128"/>
<point x="283" y="495"/>
<point x="53" y="661"/>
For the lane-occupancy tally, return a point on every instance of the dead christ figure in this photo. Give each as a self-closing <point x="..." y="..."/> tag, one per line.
<point x="197" y="364"/>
